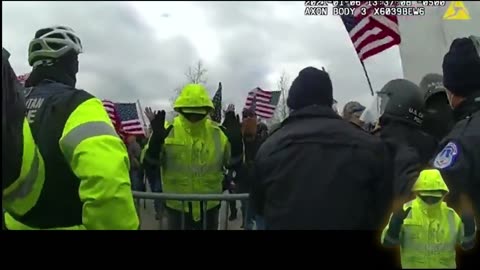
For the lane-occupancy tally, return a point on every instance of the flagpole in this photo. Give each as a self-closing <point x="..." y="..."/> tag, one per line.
<point x="368" y="78"/>
<point x="143" y="118"/>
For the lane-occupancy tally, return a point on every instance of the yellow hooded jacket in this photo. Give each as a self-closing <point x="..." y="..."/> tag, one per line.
<point x="88" y="140"/>
<point x="194" y="155"/>
<point x="430" y="233"/>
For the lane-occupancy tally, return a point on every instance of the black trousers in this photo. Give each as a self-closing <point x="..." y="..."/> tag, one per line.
<point x="175" y="219"/>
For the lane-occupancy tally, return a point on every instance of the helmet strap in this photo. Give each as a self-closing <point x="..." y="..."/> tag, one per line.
<point x="44" y="62"/>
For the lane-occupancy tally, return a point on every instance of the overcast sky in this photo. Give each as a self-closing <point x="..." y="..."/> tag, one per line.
<point x="140" y="50"/>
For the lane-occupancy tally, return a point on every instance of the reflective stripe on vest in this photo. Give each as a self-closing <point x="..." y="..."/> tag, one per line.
<point x="25" y="186"/>
<point x="188" y="169"/>
<point x="218" y="147"/>
<point x="416" y="245"/>
<point x="82" y="132"/>
<point x="22" y="195"/>
<point x="174" y="165"/>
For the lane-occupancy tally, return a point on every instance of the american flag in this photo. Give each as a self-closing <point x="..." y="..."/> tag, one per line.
<point x="216" y="114"/>
<point x="371" y="34"/>
<point x="125" y="117"/>
<point x="264" y="102"/>
<point x="23" y="78"/>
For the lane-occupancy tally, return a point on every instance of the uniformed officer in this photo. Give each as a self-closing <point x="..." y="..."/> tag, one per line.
<point x="459" y="157"/>
<point x="438" y="115"/>
<point x="75" y="136"/>
<point x="401" y="105"/>
<point x="22" y="163"/>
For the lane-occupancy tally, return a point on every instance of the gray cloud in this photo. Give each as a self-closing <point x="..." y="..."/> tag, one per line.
<point x="123" y="59"/>
<point x="261" y="35"/>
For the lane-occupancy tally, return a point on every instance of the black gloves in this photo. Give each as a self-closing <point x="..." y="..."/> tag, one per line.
<point x="400" y="215"/>
<point x="468" y="224"/>
<point x="159" y="134"/>
<point x="397" y="221"/>
<point x="469" y="232"/>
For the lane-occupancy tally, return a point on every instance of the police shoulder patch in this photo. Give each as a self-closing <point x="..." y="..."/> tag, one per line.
<point x="447" y="156"/>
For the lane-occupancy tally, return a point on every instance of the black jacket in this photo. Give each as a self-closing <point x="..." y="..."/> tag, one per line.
<point x="246" y="178"/>
<point x="13" y="115"/>
<point x="50" y="104"/>
<point x="320" y="172"/>
<point x="458" y="157"/>
<point x="410" y="149"/>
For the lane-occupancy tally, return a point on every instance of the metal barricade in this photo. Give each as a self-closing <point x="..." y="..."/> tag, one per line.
<point x="189" y="198"/>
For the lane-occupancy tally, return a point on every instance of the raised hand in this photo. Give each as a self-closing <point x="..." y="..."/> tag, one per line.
<point x="149" y="113"/>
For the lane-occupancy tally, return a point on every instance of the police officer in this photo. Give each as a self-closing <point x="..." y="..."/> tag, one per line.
<point x="193" y="152"/>
<point x="401" y="105"/>
<point x="438" y="119"/>
<point x="75" y="136"/>
<point x="318" y="171"/>
<point x="22" y="163"/>
<point x="459" y="157"/>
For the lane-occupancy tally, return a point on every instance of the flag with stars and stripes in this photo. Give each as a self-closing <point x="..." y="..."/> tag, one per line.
<point x="23" y="78"/>
<point x="262" y="102"/>
<point x="125" y="118"/>
<point x="371" y="34"/>
<point x="216" y="114"/>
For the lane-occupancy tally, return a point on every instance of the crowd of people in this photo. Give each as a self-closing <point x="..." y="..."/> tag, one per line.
<point x="315" y="170"/>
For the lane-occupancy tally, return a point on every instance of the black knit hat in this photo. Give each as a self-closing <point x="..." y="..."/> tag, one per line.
<point x="311" y="87"/>
<point x="461" y="68"/>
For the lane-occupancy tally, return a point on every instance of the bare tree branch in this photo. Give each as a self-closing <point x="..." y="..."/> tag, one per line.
<point x="283" y="86"/>
<point x="197" y="73"/>
<point x="194" y="74"/>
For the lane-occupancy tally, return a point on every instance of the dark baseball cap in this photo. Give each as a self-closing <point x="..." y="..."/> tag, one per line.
<point x="353" y="107"/>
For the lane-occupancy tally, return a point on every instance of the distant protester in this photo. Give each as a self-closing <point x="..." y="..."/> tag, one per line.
<point x="352" y="111"/>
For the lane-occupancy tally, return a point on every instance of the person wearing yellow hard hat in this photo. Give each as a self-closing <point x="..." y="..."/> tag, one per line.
<point x="426" y="229"/>
<point x="193" y="152"/>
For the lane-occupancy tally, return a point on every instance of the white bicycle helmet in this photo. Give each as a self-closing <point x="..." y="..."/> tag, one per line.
<point x="52" y="43"/>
